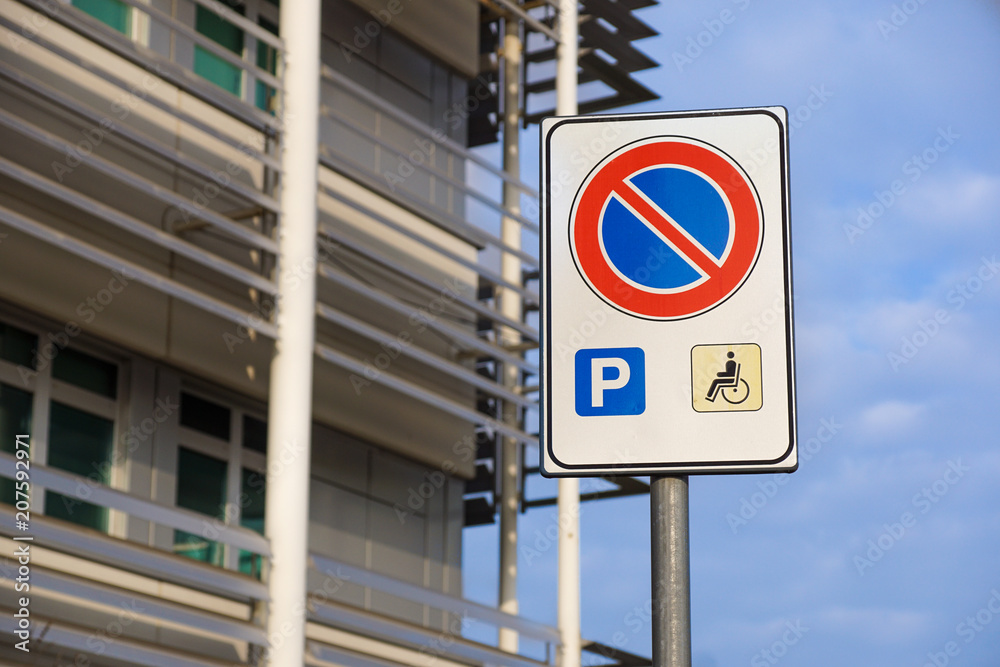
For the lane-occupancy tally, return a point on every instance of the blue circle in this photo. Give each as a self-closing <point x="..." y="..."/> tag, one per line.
<point x="692" y="202"/>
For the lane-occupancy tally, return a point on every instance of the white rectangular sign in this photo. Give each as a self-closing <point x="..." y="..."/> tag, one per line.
<point x="666" y="315"/>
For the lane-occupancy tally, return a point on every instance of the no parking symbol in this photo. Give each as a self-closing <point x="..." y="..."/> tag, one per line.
<point x="666" y="228"/>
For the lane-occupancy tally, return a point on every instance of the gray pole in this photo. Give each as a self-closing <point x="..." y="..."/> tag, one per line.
<point x="671" y="580"/>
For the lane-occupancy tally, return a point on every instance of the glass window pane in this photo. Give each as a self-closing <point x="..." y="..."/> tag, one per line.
<point x="15" y="419"/>
<point x="86" y="372"/>
<point x="17" y="346"/>
<point x="201" y="487"/>
<point x="210" y="66"/>
<point x="80" y="443"/>
<point x="220" y="72"/>
<point x="254" y="434"/>
<point x="218" y="29"/>
<point x="111" y="12"/>
<point x="252" y="517"/>
<point x="267" y="60"/>
<point x="205" y="416"/>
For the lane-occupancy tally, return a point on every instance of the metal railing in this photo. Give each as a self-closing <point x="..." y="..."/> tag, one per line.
<point x="454" y="167"/>
<point x="430" y="644"/>
<point x="83" y="585"/>
<point x="186" y="221"/>
<point x="230" y="237"/>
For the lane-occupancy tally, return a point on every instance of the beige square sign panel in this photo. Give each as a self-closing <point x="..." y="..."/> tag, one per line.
<point x="726" y="378"/>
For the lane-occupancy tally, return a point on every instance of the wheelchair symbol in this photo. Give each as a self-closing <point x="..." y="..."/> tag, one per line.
<point x="733" y="388"/>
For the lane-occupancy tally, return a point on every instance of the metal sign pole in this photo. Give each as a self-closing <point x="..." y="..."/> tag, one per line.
<point x="671" y="580"/>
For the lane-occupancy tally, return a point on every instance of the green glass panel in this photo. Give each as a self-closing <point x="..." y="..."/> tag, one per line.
<point x="252" y="517"/>
<point x="86" y="372"/>
<point x="17" y="346"/>
<point x="80" y="443"/>
<point x="111" y="12"/>
<point x="218" y="29"/>
<point x="201" y="487"/>
<point x="213" y="68"/>
<point x="210" y="66"/>
<point x="15" y="419"/>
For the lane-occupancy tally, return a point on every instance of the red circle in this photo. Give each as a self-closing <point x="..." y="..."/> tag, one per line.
<point x="722" y="280"/>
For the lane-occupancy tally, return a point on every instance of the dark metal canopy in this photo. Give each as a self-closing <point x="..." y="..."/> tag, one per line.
<point x="606" y="57"/>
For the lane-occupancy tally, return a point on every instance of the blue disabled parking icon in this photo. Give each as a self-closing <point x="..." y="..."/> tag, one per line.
<point x="610" y="381"/>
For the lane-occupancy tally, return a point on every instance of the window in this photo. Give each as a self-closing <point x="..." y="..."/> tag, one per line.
<point x="80" y="443"/>
<point x="17" y="346"/>
<point x="114" y="13"/>
<point x="251" y="516"/>
<point x="254" y="434"/>
<point x="208" y="65"/>
<point x="201" y="487"/>
<point x="15" y="419"/>
<point x="205" y="416"/>
<point x="267" y="60"/>
<point x="75" y="396"/>
<point x="221" y="474"/>
<point x="220" y="71"/>
<point x="81" y="434"/>
<point x="86" y="372"/>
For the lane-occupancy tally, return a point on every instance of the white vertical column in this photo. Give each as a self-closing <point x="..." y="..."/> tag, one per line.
<point x="569" y="488"/>
<point x="290" y="399"/>
<point x="510" y="306"/>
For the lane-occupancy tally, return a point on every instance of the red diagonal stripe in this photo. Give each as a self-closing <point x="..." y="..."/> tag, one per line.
<point x="668" y="228"/>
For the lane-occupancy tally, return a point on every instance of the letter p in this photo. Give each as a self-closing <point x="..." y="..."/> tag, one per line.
<point x="610" y="381"/>
<point x="601" y="382"/>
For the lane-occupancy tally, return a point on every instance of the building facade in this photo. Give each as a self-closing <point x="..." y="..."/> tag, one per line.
<point x="141" y="269"/>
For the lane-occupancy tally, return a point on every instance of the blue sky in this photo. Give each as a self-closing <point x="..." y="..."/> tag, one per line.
<point x="896" y="326"/>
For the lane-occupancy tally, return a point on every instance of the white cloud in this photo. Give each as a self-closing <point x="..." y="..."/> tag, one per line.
<point x="953" y="202"/>
<point x="891" y="419"/>
<point x="877" y="625"/>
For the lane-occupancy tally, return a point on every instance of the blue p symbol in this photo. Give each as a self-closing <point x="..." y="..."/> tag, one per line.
<point x="610" y="381"/>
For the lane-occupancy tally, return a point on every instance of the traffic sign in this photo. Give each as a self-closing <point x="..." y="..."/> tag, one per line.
<point x="684" y="203"/>
<point x="664" y="241"/>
